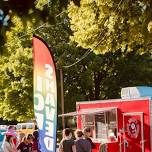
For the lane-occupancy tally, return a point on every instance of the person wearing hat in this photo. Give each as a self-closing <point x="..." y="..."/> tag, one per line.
<point x="12" y="128"/>
<point x="8" y="145"/>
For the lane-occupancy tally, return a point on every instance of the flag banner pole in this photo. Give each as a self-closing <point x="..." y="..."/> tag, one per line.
<point x="45" y="95"/>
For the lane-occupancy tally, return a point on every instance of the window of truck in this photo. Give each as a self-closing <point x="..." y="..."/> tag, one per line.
<point x="103" y="125"/>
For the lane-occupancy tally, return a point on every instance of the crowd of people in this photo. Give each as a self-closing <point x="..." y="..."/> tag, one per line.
<point x="27" y="143"/>
<point x="82" y="143"/>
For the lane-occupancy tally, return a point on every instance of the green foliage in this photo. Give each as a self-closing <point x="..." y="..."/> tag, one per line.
<point x="17" y="88"/>
<point x="103" y="76"/>
<point x="16" y="77"/>
<point x="41" y="3"/>
<point x="16" y="72"/>
<point x="111" y="25"/>
<point x="97" y="76"/>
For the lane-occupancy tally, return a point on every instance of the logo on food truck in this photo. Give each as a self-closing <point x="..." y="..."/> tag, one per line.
<point x="133" y="128"/>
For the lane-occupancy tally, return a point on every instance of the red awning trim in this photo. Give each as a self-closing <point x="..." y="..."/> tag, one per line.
<point x="87" y="111"/>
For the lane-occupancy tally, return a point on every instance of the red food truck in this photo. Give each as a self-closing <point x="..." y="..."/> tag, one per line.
<point x="122" y="125"/>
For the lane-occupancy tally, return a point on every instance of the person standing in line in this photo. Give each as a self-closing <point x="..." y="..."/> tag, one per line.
<point x="26" y="144"/>
<point x="35" y="144"/>
<point x="8" y="145"/>
<point x="67" y="144"/>
<point x="30" y="140"/>
<point x="82" y="145"/>
<point x="20" y="138"/>
<point x="87" y="135"/>
<point x="12" y="128"/>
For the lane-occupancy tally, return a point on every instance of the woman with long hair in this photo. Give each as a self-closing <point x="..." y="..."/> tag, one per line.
<point x="8" y="145"/>
<point x="67" y="144"/>
<point x="35" y="145"/>
<point x="82" y="145"/>
<point x="87" y="133"/>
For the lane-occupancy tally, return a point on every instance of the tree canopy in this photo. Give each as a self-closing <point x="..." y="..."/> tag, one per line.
<point x="111" y="25"/>
<point x="71" y="29"/>
<point x="16" y="73"/>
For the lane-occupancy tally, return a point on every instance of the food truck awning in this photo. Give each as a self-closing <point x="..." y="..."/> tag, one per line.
<point x="87" y="111"/>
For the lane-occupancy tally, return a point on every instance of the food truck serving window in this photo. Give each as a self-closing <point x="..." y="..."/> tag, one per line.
<point x="103" y="124"/>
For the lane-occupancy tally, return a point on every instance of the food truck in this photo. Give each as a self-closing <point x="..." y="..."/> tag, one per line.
<point x="121" y="125"/>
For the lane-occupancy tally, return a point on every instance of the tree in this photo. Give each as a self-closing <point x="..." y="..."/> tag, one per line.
<point x="96" y="77"/>
<point x="16" y="93"/>
<point x="111" y="25"/>
<point x="7" y="10"/>
<point x="16" y="72"/>
<point x="16" y="100"/>
<point x="103" y="76"/>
